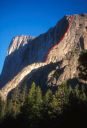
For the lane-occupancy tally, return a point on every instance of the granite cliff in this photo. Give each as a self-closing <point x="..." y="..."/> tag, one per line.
<point x="38" y="58"/>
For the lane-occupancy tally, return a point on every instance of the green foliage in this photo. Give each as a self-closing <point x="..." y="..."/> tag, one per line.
<point x="34" y="110"/>
<point x="2" y="109"/>
<point x="31" y="94"/>
<point x="33" y="105"/>
<point x="48" y="97"/>
<point x="13" y="104"/>
<point x="17" y="100"/>
<point x="62" y="95"/>
<point x="83" y="65"/>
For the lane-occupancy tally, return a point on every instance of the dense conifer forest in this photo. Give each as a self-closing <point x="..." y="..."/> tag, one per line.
<point x="32" y="109"/>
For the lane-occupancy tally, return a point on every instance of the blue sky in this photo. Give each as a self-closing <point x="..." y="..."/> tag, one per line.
<point x="32" y="17"/>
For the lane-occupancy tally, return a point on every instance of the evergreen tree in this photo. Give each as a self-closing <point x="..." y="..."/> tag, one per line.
<point x="47" y="99"/>
<point x="38" y="98"/>
<point x="2" y="109"/>
<point x="29" y="102"/>
<point x="62" y="95"/>
<point x="23" y="94"/>
<point x="83" y="95"/>
<point x="13" y="104"/>
<point x="37" y="110"/>
<point x="33" y="105"/>
<point x="54" y="107"/>
<point x="32" y="94"/>
<point x="83" y="65"/>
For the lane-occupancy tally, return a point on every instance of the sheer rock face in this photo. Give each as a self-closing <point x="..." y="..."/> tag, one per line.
<point x="25" y="50"/>
<point x="28" y="56"/>
<point x="18" y="42"/>
<point x="68" y="50"/>
<point x="14" y="59"/>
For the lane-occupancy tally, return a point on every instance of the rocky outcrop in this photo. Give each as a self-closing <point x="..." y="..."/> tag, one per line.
<point x="18" y="42"/>
<point x="20" y="77"/>
<point x="14" y="59"/>
<point x="26" y="50"/>
<point x="70" y="47"/>
<point x="28" y="56"/>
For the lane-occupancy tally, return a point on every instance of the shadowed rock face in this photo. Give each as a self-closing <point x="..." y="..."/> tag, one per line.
<point x="26" y="50"/>
<point x="14" y="59"/>
<point x="28" y="56"/>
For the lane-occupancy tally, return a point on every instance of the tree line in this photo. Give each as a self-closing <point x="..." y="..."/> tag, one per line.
<point x="31" y="108"/>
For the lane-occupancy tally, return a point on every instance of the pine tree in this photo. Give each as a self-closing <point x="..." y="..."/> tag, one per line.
<point x="47" y="99"/>
<point x="54" y="107"/>
<point x="83" y="96"/>
<point x="23" y="94"/>
<point x="83" y="65"/>
<point x="37" y="104"/>
<point x="62" y="95"/>
<point x="32" y="107"/>
<point x="2" y="109"/>
<point x="13" y="104"/>
<point x="39" y="100"/>
<point x="31" y="94"/>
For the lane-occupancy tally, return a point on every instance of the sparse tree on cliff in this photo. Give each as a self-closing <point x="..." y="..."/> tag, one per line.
<point x="83" y="65"/>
